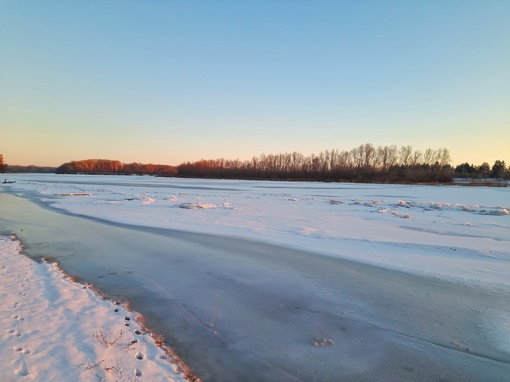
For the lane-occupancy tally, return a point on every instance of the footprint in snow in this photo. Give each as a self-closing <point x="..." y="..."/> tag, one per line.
<point x="22" y="369"/>
<point x="14" y="332"/>
<point x="21" y="350"/>
<point x="17" y="317"/>
<point x="137" y="373"/>
<point x="139" y="355"/>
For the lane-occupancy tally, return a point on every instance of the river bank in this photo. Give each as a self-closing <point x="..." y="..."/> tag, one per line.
<point x="53" y="329"/>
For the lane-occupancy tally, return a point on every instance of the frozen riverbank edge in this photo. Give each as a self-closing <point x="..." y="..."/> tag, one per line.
<point x="57" y="329"/>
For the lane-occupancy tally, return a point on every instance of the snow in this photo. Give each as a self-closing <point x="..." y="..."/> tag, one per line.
<point x="312" y="216"/>
<point x="57" y="330"/>
<point x="450" y="247"/>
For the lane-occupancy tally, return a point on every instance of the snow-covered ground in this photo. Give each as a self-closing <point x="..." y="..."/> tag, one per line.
<point x="401" y="221"/>
<point x="449" y="246"/>
<point x="54" y="329"/>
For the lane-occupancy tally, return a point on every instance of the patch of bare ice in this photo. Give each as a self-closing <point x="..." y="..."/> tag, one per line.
<point x="75" y="194"/>
<point x="192" y="206"/>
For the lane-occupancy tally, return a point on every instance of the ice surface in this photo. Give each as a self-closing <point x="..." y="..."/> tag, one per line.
<point x="425" y="299"/>
<point x="465" y="224"/>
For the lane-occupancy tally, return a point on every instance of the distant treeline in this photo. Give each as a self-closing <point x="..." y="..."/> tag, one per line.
<point x="29" y="169"/>
<point x="484" y="171"/>
<point x="365" y="163"/>
<point x="105" y="166"/>
<point x="15" y="169"/>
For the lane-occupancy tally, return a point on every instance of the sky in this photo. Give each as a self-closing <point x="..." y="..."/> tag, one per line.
<point x="175" y="81"/>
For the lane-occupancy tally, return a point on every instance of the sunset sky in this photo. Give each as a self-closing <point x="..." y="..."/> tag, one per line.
<point x="174" y="81"/>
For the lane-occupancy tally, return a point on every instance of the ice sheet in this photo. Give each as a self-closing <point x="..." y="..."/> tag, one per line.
<point x="445" y="231"/>
<point x="255" y="301"/>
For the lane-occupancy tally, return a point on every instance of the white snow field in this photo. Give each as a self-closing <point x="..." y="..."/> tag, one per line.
<point x="251" y="280"/>
<point x="54" y="329"/>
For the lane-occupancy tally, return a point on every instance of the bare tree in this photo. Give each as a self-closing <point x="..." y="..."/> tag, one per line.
<point x="443" y="157"/>
<point x="429" y="157"/>
<point x="2" y="164"/>
<point x="387" y="156"/>
<point x="405" y="155"/>
<point x="369" y="154"/>
<point x="416" y="158"/>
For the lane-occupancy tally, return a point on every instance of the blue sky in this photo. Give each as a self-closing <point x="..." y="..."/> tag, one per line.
<point x="173" y="81"/>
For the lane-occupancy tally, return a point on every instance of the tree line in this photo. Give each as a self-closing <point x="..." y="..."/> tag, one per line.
<point x="365" y="163"/>
<point x="106" y="166"/>
<point x="484" y="171"/>
<point x="26" y="169"/>
<point x="32" y="169"/>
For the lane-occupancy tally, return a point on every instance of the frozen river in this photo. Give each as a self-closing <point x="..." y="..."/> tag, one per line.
<point x="409" y="282"/>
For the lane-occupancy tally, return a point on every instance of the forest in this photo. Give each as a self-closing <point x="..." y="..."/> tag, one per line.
<point x="105" y="166"/>
<point x="484" y="171"/>
<point x="365" y="163"/>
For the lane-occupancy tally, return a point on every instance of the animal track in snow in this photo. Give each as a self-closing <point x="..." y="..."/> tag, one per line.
<point x="14" y="332"/>
<point x="21" y="350"/>
<point x="22" y="369"/>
